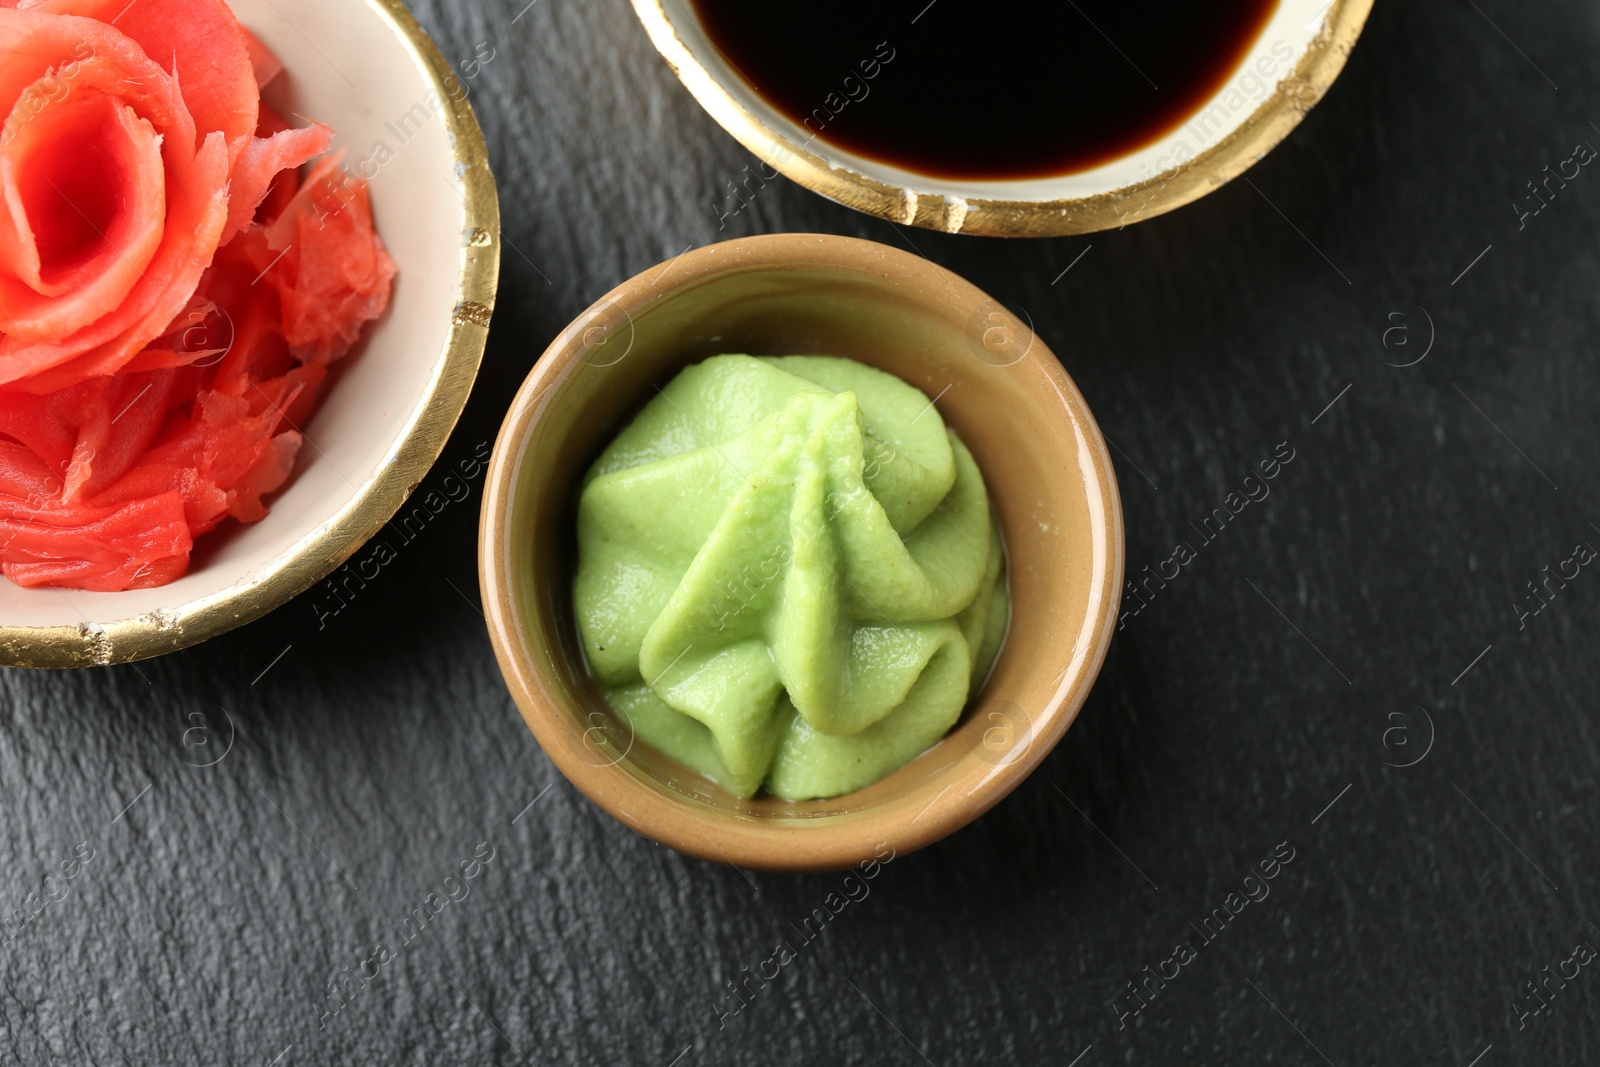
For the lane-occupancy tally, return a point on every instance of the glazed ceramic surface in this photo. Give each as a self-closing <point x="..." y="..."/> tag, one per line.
<point x="995" y="383"/>
<point x="1292" y="63"/>
<point x="368" y="71"/>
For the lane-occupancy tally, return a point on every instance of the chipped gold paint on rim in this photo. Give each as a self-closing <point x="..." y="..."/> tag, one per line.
<point x="1294" y="95"/>
<point x="318" y="554"/>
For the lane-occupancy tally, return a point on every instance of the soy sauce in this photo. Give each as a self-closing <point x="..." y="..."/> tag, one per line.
<point x="975" y="90"/>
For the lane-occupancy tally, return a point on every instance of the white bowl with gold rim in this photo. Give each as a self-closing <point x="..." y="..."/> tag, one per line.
<point x="1291" y="64"/>
<point x="369" y="71"/>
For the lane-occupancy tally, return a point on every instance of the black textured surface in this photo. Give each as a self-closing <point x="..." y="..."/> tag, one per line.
<point x="1286" y="668"/>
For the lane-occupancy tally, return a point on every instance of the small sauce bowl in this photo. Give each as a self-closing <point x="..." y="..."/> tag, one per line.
<point x="1049" y="477"/>
<point x="1291" y="64"/>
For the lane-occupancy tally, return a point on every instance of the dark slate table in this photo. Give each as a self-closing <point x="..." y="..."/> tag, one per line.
<point x="1344" y="676"/>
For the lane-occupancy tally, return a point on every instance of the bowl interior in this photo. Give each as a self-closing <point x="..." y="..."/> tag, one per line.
<point x="1291" y="31"/>
<point x="360" y="78"/>
<point x="1040" y="453"/>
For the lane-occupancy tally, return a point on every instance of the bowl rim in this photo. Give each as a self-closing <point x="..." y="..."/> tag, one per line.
<point x="680" y="821"/>
<point x="1273" y="119"/>
<point x="322" y="550"/>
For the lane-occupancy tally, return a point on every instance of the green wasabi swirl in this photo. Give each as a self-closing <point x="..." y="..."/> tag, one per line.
<point x="788" y="574"/>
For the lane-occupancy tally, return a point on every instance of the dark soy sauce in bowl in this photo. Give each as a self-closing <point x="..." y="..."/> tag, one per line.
<point x="975" y="90"/>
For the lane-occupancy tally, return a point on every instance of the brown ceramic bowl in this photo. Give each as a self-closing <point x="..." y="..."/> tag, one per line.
<point x="1002" y="390"/>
